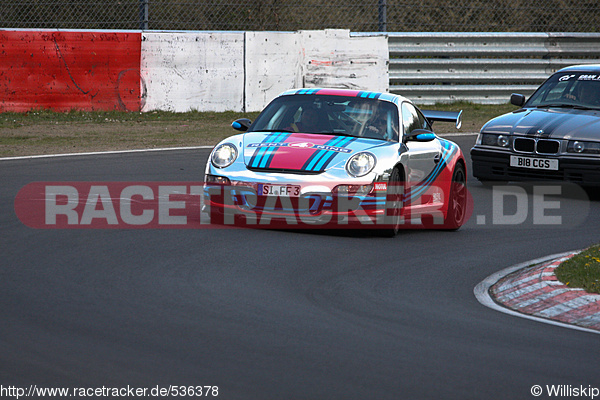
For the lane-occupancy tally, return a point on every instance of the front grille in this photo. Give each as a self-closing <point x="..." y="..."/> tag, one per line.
<point x="540" y="146"/>
<point x="524" y="145"/>
<point x="311" y="203"/>
<point x="547" y="146"/>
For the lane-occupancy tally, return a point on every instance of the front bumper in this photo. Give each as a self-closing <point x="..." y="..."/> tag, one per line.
<point x="226" y="204"/>
<point x="494" y="165"/>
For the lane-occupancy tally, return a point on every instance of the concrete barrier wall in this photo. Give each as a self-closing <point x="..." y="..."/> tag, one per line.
<point x="278" y="61"/>
<point x="180" y="71"/>
<point x="273" y="64"/>
<point x="64" y="70"/>
<point x="335" y="59"/>
<point x="193" y="71"/>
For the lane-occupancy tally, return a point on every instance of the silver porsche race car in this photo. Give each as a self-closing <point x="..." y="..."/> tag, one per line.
<point x="555" y="135"/>
<point x="338" y="158"/>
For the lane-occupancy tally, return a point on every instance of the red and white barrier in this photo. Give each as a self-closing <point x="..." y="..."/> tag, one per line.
<point x="180" y="71"/>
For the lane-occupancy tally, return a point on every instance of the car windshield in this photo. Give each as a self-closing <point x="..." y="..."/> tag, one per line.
<point x="329" y="114"/>
<point x="575" y="90"/>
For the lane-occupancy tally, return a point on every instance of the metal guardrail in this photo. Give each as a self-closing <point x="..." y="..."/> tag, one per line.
<point x="482" y="68"/>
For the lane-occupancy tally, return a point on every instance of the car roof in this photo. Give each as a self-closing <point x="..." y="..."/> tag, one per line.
<point x="394" y="98"/>
<point x="581" y="68"/>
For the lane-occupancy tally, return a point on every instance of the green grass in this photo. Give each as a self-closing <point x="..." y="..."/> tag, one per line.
<point x="582" y="270"/>
<point x="47" y="132"/>
<point x="34" y="117"/>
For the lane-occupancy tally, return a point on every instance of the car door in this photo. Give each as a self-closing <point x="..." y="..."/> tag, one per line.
<point x="423" y="157"/>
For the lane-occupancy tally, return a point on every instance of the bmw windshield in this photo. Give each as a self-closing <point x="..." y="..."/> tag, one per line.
<point x="568" y="90"/>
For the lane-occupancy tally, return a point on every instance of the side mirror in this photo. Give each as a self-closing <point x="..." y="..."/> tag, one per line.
<point x="241" y="124"/>
<point x="420" y="135"/>
<point x="517" y="99"/>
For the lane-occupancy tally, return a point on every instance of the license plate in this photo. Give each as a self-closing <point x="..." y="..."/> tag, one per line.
<point x="534" y="163"/>
<point x="279" y="190"/>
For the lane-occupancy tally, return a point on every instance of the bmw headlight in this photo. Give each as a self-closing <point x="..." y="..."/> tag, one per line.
<point x="360" y="164"/>
<point x="224" y="155"/>
<point x="575" y="146"/>
<point x="503" y="141"/>
<point x="489" y="139"/>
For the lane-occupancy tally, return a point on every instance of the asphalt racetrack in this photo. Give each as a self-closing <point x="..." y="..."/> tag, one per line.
<point x="266" y="314"/>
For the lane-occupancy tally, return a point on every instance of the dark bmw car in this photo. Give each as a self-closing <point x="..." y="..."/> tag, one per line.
<point x="555" y="135"/>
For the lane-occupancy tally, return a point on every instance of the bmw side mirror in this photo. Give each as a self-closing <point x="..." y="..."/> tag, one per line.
<point x="517" y="99"/>
<point x="241" y="124"/>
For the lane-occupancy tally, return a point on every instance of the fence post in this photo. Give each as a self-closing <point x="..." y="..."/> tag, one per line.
<point x="144" y="15"/>
<point x="382" y="16"/>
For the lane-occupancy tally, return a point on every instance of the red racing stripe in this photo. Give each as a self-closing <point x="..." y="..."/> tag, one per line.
<point x="299" y="149"/>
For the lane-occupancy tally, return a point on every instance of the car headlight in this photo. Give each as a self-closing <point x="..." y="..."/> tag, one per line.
<point x="576" y="146"/>
<point x="360" y="164"/>
<point x="224" y="155"/>
<point x="488" y="139"/>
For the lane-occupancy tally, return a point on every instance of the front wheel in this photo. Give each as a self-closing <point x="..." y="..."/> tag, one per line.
<point x="457" y="204"/>
<point x="394" y="203"/>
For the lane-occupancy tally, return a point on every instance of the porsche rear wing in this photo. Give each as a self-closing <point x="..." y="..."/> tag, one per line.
<point x="444" y="116"/>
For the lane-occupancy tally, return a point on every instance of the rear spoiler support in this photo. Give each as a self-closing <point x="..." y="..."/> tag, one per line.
<point x="444" y="116"/>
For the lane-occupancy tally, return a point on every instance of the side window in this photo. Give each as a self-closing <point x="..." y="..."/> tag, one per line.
<point x="411" y="118"/>
<point x="423" y="121"/>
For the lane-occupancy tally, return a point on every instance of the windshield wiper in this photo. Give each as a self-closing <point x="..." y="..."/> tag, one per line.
<point x="310" y="133"/>
<point x="586" y="108"/>
<point x="335" y="134"/>
<point x="556" y="105"/>
<point x="273" y="130"/>
<point x="574" y="106"/>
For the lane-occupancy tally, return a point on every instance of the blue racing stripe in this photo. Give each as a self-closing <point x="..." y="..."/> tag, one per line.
<point x="369" y="95"/>
<point x="255" y="161"/>
<point x="267" y="155"/>
<point x="331" y="155"/>
<point x="317" y="156"/>
<point x="307" y="91"/>
<point x="423" y="186"/>
<point x="259" y="155"/>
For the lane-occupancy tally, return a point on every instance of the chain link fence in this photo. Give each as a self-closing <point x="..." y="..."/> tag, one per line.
<point x="293" y="15"/>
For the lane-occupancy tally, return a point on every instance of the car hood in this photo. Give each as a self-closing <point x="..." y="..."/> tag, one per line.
<point x="302" y="152"/>
<point x="553" y="122"/>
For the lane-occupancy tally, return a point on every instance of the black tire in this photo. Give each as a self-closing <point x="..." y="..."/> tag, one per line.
<point x="457" y="205"/>
<point x="394" y="204"/>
